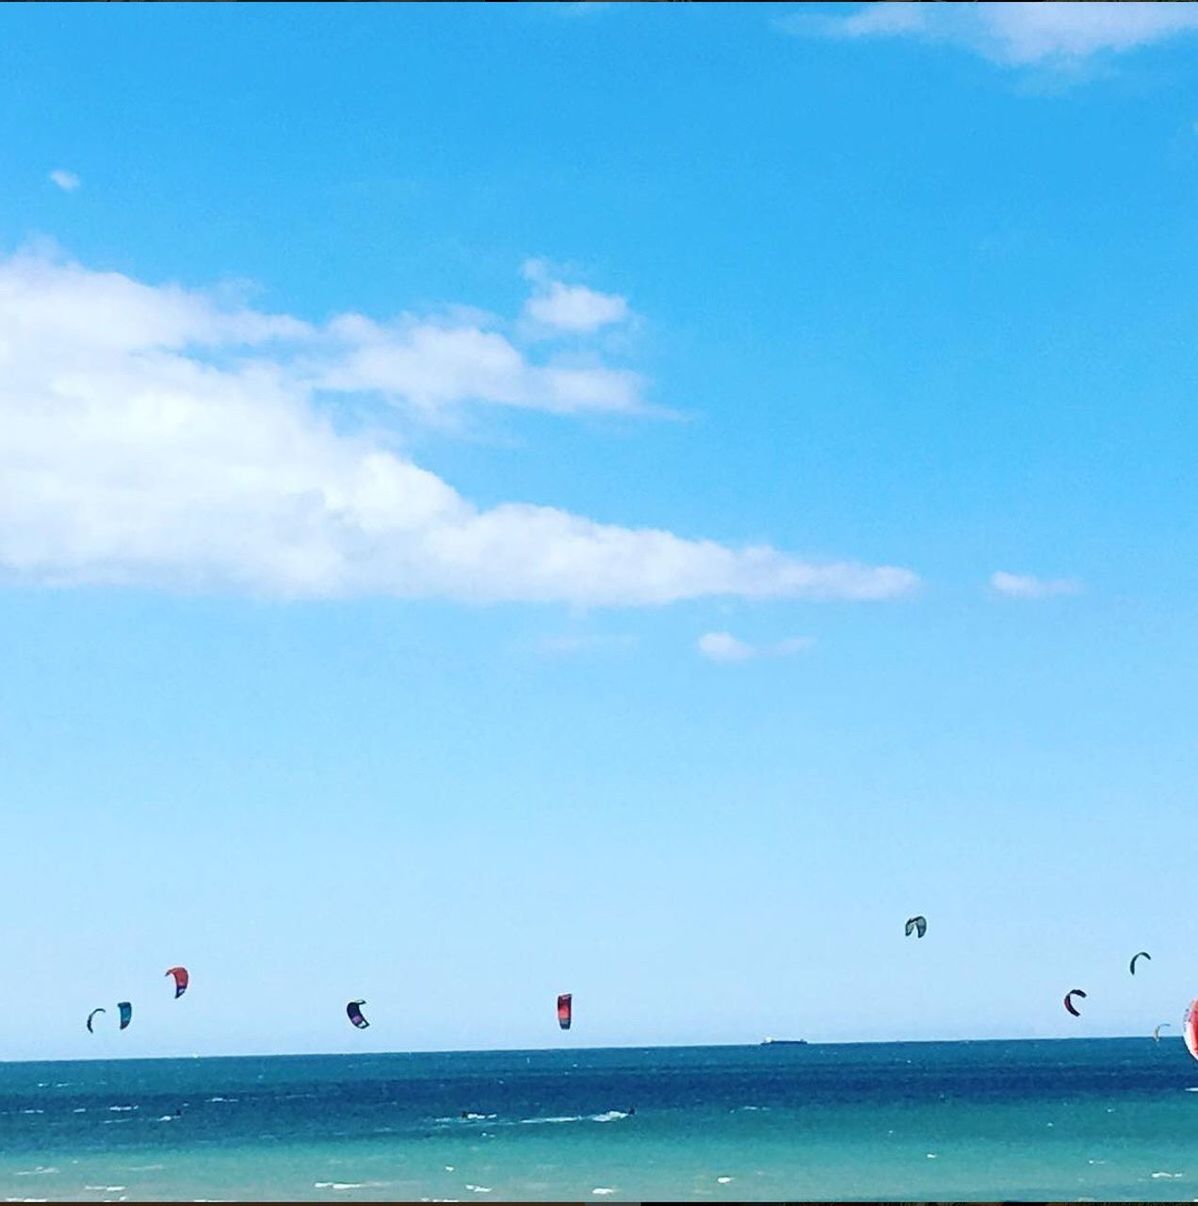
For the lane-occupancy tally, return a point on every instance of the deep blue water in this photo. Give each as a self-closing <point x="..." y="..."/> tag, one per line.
<point x="1115" y="1118"/>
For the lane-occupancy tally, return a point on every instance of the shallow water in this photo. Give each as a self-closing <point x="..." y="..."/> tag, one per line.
<point x="1108" y="1118"/>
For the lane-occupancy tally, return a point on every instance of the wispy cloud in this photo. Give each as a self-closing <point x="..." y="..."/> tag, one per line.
<point x="161" y="436"/>
<point x="431" y="365"/>
<point x="1025" y="586"/>
<point x="1014" y="34"/>
<point x="573" y="308"/>
<point x="724" y="647"/>
<point x="571" y="644"/>
<point x="67" y="181"/>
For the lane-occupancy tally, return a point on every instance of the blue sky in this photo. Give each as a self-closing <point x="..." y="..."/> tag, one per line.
<point x="635" y="500"/>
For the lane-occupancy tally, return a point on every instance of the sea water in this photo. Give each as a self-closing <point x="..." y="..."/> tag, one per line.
<point x="1073" y="1119"/>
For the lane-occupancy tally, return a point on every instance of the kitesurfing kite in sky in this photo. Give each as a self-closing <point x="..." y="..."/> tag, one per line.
<point x="181" y="980"/>
<point x="1140" y="955"/>
<point x="565" y="1010"/>
<point x="916" y="925"/>
<point x="1073" y="992"/>
<point x="354" y="1013"/>
<point x="126" y="1012"/>
<point x="92" y="1015"/>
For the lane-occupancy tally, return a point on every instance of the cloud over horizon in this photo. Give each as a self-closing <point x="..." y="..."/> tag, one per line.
<point x="166" y="437"/>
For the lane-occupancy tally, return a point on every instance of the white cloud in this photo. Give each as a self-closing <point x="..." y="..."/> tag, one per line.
<point x="164" y="437"/>
<point x="571" y="308"/>
<point x="1024" y="586"/>
<point x="569" y="644"/>
<point x="1016" y="34"/>
<point x="67" y="181"/>
<point x="432" y="366"/>
<point x="724" y="647"/>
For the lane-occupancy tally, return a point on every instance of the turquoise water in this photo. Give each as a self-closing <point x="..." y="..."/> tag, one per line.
<point x="1111" y="1118"/>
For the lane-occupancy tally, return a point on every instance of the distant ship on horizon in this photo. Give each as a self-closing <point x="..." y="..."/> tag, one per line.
<point x="773" y="1042"/>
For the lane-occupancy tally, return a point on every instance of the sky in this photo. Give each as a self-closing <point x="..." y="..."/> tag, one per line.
<point x="635" y="500"/>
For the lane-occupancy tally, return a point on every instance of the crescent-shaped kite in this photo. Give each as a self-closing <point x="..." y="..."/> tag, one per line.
<point x="181" y="980"/>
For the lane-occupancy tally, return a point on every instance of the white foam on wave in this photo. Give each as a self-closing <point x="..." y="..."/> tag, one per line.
<point x="480" y="1188"/>
<point x="1166" y="1176"/>
<point x="480" y="1117"/>
<point x="165" y="1118"/>
<point x="121" y="1109"/>
<point x="39" y="1171"/>
<point x="33" y="1111"/>
<point x="609" y="1116"/>
<point x="932" y="1156"/>
<point x="723" y="1180"/>
<point x="562" y="1118"/>
<point x="79" y="1110"/>
<point x="224" y="1098"/>
<point x="601" y="1190"/>
<point x="110" y="1121"/>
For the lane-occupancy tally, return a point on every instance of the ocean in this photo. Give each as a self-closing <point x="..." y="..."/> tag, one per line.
<point x="1070" y="1119"/>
